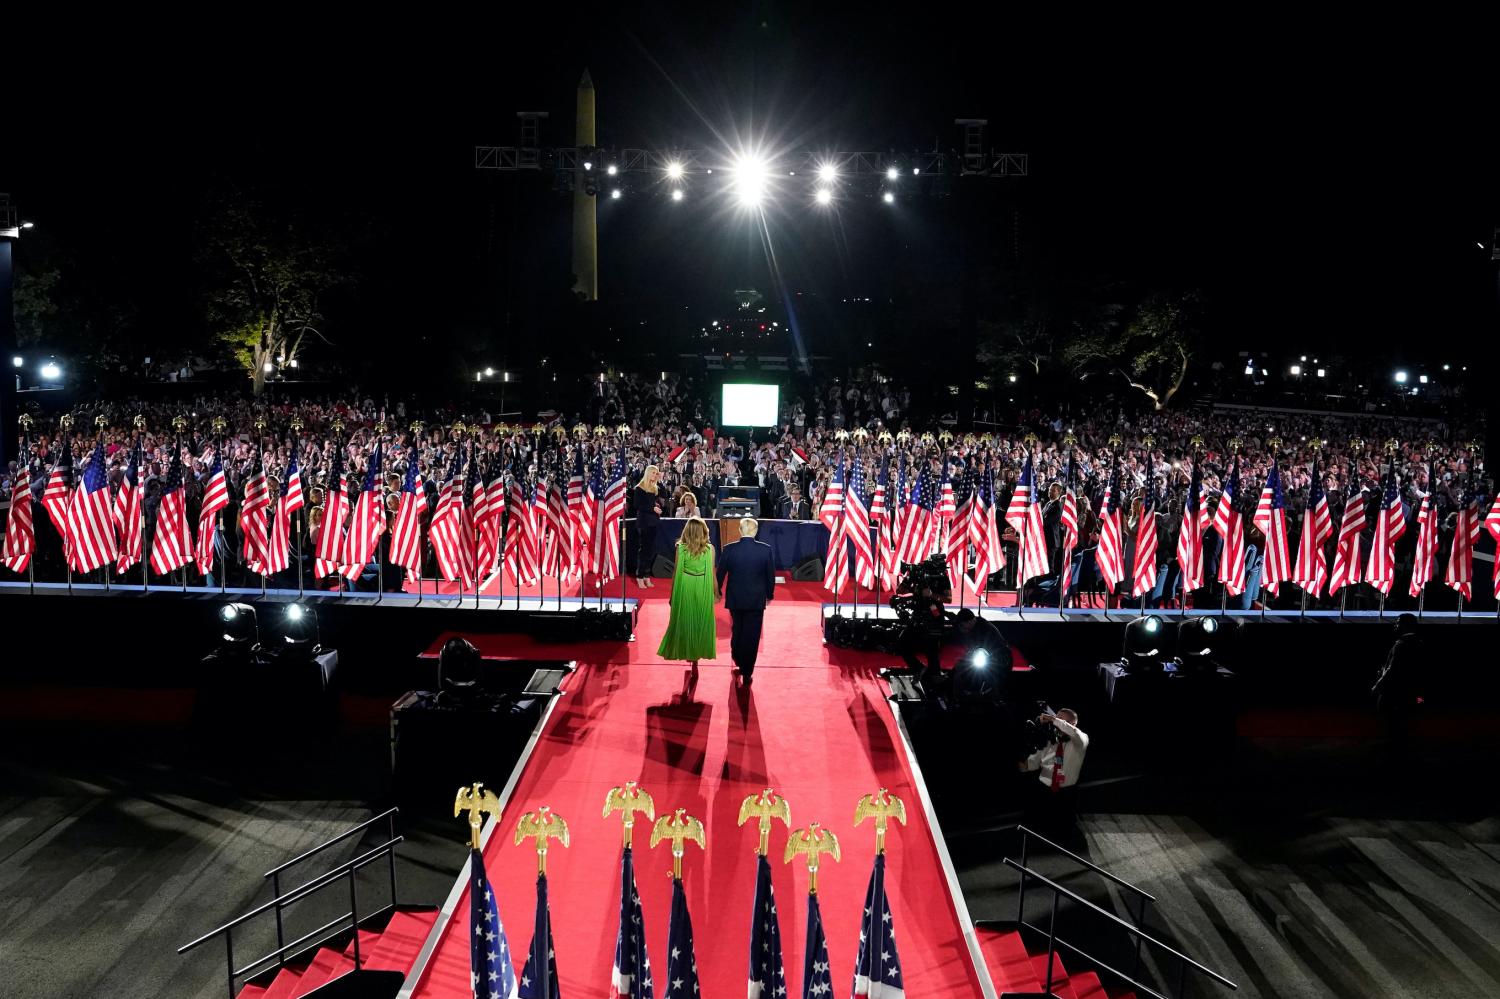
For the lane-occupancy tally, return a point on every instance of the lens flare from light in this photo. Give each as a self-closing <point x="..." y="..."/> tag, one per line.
<point x="674" y="170"/>
<point x="750" y="173"/>
<point x="824" y="196"/>
<point x="888" y="197"/>
<point x="828" y="173"/>
<point x="677" y="194"/>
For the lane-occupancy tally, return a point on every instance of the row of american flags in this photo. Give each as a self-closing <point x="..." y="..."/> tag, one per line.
<point x="565" y="523"/>
<point x="909" y="513"/>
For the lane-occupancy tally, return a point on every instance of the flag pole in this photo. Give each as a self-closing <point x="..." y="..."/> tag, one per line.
<point x="297" y="530"/>
<point x="622" y="565"/>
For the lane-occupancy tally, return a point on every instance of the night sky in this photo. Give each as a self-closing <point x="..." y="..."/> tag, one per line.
<point x="1316" y="195"/>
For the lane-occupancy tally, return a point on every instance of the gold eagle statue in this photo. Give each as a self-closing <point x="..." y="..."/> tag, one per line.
<point x="880" y="806"/>
<point x="476" y="801"/>
<point x="629" y="799"/>
<point x="765" y="806"/>
<point x="542" y="825"/>
<point x="678" y="828"/>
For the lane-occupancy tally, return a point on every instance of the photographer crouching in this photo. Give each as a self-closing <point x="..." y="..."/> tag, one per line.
<point x="1058" y="760"/>
<point x="920" y="602"/>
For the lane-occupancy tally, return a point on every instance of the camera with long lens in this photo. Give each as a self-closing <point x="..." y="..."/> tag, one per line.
<point x="921" y="588"/>
<point x="1038" y="734"/>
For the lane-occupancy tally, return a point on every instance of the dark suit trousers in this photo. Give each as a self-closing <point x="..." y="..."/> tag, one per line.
<point x="744" y="638"/>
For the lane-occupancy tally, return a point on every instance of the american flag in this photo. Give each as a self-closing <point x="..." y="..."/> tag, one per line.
<point x="1069" y="521"/>
<point x="682" y="964"/>
<point x="559" y="527"/>
<point x="449" y="529"/>
<point x="130" y="510"/>
<point x="1190" y="537"/>
<point x="1492" y="524"/>
<point x="488" y="509"/>
<point x="367" y="521"/>
<point x="332" y="548"/>
<point x="536" y="495"/>
<point x="172" y="539"/>
<point x="279" y="536"/>
<point x="1425" y="558"/>
<point x="1229" y="522"/>
<point x="836" y="560"/>
<point x="886" y="513"/>
<point x="609" y="510"/>
<point x="90" y="542"/>
<point x="630" y="978"/>
<point x="945" y="508"/>
<point x="491" y="973"/>
<point x="767" y="974"/>
<point x="215" y="499"/>
<point x="1145" y="541"/>
<point x="1110" y="554"/>
<point x="857" y="526"/>
<point x="20" y="532"/>
<point x="55" y="497"/>
<point x="539" y="977"/>
<point x="1460" y="572"/>
<point x="1317" y="527"/>
<point x="919" y="534"/>
<point x="1033" y="555"/>
<point x="521" y="556"/>
<point x="1270" y="519"/>
<point x="1390" y="525"/>
<point x="1351" y="525"/>
<point x="982" y="527"/>
<point x="579" y="523"/>
<point x="877" y="969"/>
<point x="254" y="522"/>
<point x="817" y="979"/>
<point x="877" y="503"/>
<point x="406" y="533"/>
<point x="956" y="543"/>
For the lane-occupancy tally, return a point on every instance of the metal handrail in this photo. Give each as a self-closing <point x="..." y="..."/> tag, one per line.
<point x="387" y="814"/>
<point x="1141" y="935"/>
<point x="297" y="893"/>
<point x="1086" y="863"/>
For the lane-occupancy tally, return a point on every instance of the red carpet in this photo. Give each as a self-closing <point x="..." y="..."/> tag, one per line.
<point x="816" y="727"/>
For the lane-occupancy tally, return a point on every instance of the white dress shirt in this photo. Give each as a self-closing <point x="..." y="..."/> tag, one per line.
<point x="1044" y="759"/>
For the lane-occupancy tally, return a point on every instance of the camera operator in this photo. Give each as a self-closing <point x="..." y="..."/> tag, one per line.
<point x="1058" y="762"/>
<point x="920" y="600"/>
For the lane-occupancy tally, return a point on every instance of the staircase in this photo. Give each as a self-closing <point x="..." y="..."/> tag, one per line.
<point x="391" y="949"/>
<point x="1016" y="969"/>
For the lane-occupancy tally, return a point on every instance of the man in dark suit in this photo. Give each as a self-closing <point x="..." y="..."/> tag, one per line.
<point x="751" y="568"/>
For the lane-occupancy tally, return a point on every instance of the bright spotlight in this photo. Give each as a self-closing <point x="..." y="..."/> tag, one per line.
<point x="824" y="196"/>
<point x="750" y="181"/>
<point x="294" y="611"/>
<point x="890" y="173"/>
<point x="32" y="225"/>
<point x="677" y="194"/>
<point x="489" y="372"/>
<point x="18" y="360"/>
<point x="1249" y="369"/>
<point x="1296" y="369"/>
<point x="1401" y="378"/>
<point x="615" y="193"/>
<point x="888" y="197"/>
<point x="268" y="367"/>
<point x="1422" y="379"/>
<point x="51" y="371"/>
<point x="916" y="171"/>
<point x="611" y="169"/>
<point x="827" y="173"/>
<point x="587" y="165"/>
<point x="980" y="659"/>
<point x="1322" y="372"/>
<point x="674" y="170"/>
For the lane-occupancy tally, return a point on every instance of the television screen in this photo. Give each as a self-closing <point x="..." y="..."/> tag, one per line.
<point x="750" y="405"/>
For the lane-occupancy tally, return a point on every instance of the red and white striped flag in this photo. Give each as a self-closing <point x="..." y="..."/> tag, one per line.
<point x="521" y="556"/>
<point x="1145" y="545"/>
<point x="331" y="546"/>
<point x="489" y="513"/>
<point x="449" y="530"/>
<point x="406" y="532"/>
<point x="1346" y="555"/>
<point x="1109" y="556"/>
<point x="20" y="532"/>
<point x="1492" y="524"/>
<point x="1229" y="523"/>
<point x="857" y="527"/>
<point x="172" y="538"/>
<point x="1390" y="525"/>
<point x="1069" y="521"/>
<point x="1459" y="575"/>
<point x="130" y="511"/>
<point x="366" y="522"/>
<point x="888" y="536"/>
<point x="254" y="520"/>
<point x="1190" y="535"/>
<point x="1025" y="515"/>
<point x="609" y="512"/>
<point x="215" y="499"/>
<point x="555" y="537"/>
<point x="1425" y="558"/>
<point x="1311" y="572"/>
<point x="90" y="541"/>
<point x="1270" y="519"/>
<point x="576" y="553"/>
<point x="55" y="496"/>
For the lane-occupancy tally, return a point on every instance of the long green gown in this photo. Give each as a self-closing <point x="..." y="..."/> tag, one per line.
<point x="691" y="630"/>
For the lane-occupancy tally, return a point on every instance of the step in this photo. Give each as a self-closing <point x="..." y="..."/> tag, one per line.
<point x="326" y="965"/>
<point x="252" y="992"/>
<point x="400" y="941"/>
<point x="1005" y="955"/>
<point x="284" y="985"/>
<point x="1061" y="987"/>
<point x="1086" y="985"/>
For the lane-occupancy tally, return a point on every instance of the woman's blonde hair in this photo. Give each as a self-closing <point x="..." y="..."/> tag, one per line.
<point x="648" y="479"/>
<point x="695" y="536"/>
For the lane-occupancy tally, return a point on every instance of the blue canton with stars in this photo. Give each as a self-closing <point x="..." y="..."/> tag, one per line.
<point x="491" y="973"/>
<point x="539" y="977"/>
<point x="817" y="980"/>
<point x="877" y="970"/>
<point x="682" y="966"/>
<point x="767" y="974"/>
<point x="632" y="971"/>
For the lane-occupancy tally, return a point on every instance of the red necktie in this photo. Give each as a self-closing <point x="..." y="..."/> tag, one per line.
<point x="1057" y="769"/>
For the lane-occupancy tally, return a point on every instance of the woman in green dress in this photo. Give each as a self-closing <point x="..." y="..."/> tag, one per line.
<point x="691" y="631"/>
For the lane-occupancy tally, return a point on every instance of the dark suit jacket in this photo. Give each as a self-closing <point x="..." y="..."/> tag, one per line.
<point x="751" y="568"/>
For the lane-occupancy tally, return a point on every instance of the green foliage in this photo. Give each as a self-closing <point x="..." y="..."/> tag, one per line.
<point x="1152" y="351"/>
<point x="36" y="304"/>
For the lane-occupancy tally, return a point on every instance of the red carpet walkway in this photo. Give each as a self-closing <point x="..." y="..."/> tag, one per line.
<point x="816" y="728"/>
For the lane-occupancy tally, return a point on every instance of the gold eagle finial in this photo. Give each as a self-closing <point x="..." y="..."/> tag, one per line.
<point x="541" y="825"/>
<point x="476" y="801"/>
<point x="678" y="828"/>
<point x="882" y="806"/>
<point x="627" y="800"/>
<point x="765" y="806"/>
<point x="811" y="843"/>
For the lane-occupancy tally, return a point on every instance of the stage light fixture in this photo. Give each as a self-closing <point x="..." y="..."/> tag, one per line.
<point x="824" y="196"/>
<point x="489" y="372"/>
<point x="1143" y="639"/>
<point x="587" y="165"/>
<point x="237" y="627"/>
<point x="299" y="631"/>
<point x="674" y="170"/>
<point x="18" y="360"/>
<point x="890" y="173"/>
<point x="916" y="171"/>
<point x="611" y="169"/>
<point x="615" y="194"/>
<point x="1401" y="378"/>
<point x="1296" y="369"/>
<point x="51" y="371"/>
<point x="677" y="194"/>
<point x="980" y="659"/>
<point x="750" y="180"/>
<point x="888" y="197"/>
<point x="827" y="173"/>
<point x="1322" y="372"/>
<point x="1195" y="636"/>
